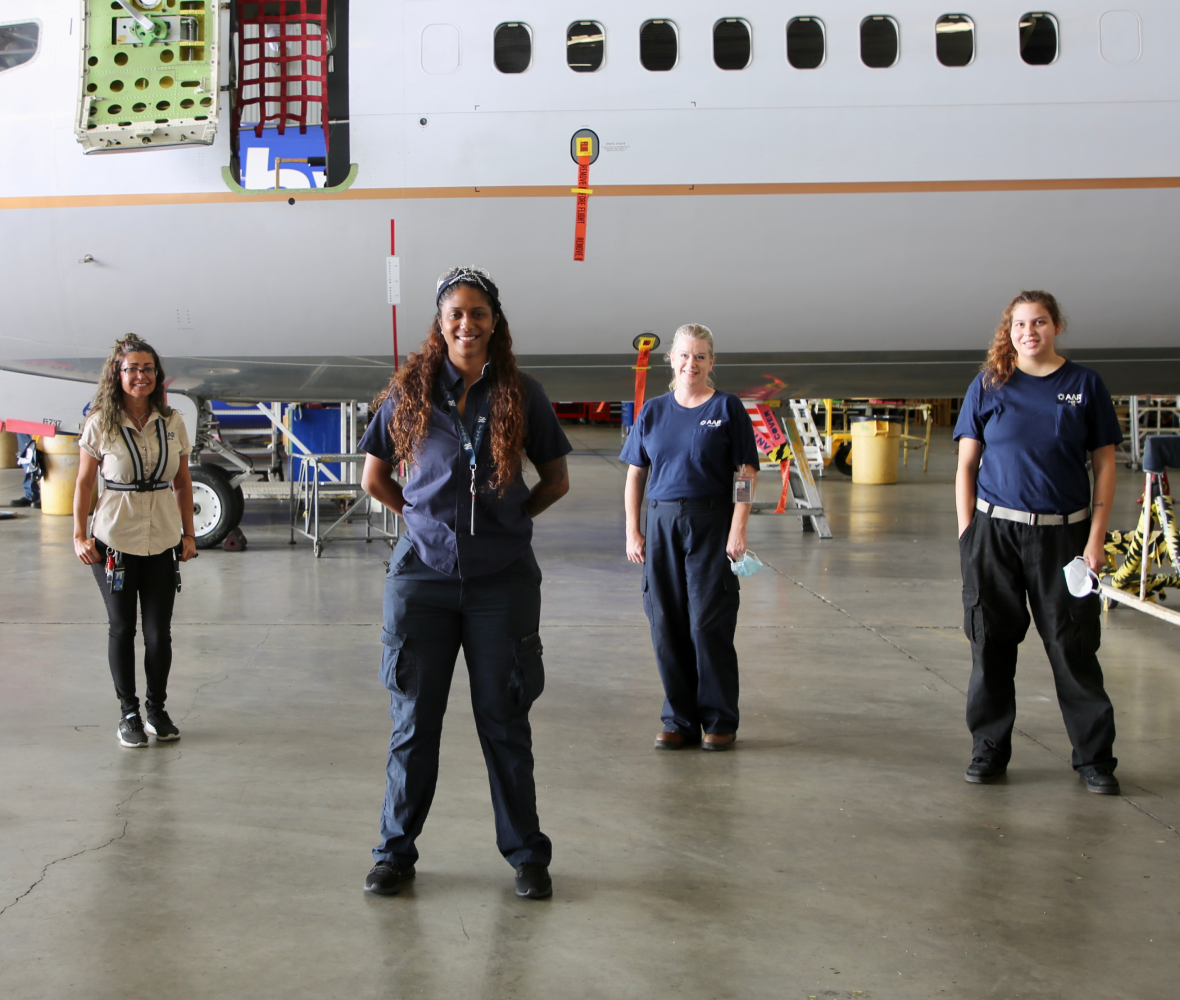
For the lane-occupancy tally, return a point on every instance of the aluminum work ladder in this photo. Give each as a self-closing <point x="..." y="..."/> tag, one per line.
<point x="810" y="438"/>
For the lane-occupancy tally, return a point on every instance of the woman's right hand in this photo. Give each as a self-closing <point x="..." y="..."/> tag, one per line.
<point x="86" y="550"/>
<point x="636" y="546"/>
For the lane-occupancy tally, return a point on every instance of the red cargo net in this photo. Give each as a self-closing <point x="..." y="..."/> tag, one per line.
<point x="282" y="65"/>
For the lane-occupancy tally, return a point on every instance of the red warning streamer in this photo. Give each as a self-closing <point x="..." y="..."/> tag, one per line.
<point x="583" y="191"/>
<point x="646" y="344"/>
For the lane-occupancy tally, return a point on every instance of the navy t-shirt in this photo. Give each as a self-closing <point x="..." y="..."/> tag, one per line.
<point x="693" y="453"/>
<point x="438" y="490"/>
<point x="1036" y="432"/>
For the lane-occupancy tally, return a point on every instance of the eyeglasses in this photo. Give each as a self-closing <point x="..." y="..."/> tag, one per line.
<point x="149" y="371"/>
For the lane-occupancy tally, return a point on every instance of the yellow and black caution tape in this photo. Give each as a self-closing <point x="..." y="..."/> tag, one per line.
<point x="1162" y="546"/>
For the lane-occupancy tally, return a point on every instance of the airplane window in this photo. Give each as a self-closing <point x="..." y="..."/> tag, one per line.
<point x="513" y="44"/>
<point x="585" y="44"/>
<point x="954" y="39"/>
<point x="18" y="43"/>
<point x="657" y="45"/>
<point x="805" y="42"/>
<point x="878" y="41"/>
<point x="731" y="43"/>
<point x="1038" y="39"/>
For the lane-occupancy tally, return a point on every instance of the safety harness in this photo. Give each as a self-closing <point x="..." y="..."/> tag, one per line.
<point x="142" y="483"/>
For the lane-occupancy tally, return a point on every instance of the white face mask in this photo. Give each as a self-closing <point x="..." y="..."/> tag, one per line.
<point x="1079" y="578"/>
<point x="748" y="565"/>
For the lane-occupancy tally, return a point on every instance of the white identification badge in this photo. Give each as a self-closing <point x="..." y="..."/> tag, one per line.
<point x="743" y="487"/>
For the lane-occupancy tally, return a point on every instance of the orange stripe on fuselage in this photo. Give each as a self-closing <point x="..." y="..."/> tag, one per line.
<point x="600" y="191"/>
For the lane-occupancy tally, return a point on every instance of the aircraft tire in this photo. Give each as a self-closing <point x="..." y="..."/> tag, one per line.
<point x="217" y="508"/>
<point x="842" y="458"/>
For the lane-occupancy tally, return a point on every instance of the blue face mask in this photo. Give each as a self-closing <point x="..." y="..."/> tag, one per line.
<point x="748" y="565"/>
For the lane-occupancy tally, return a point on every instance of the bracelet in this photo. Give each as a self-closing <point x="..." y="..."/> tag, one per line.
<point x="185" y="534"/>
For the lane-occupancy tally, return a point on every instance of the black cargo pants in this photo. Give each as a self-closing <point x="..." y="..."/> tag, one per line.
<point x="691" y="598"/>
<point x="1005" y="564"/>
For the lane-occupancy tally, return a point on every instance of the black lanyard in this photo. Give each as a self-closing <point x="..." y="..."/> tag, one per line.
<point x="472" y="448"/>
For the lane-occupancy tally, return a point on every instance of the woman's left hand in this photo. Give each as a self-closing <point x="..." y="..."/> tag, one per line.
<point x="735" y="548"/>
<point x="188" y="548"/>
<point x="1095" y="556"/>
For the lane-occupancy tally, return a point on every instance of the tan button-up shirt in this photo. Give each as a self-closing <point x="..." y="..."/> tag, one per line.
<point x="140" y="524"/>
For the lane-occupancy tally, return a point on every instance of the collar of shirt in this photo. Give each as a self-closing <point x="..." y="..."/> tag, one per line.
<point x="451" y="378"/>
<point x="152" y="416"/>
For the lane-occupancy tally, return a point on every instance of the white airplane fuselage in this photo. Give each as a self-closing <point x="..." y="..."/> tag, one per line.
<point x="843" y="230"/>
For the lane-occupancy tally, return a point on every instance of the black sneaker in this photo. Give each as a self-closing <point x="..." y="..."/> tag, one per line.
<point x="131" y="732"/>
<point x="533" y="881"/>
<point x="981" y="770"/>
<point x="160" y="726"/>
<point x="385" y="878"/>
<point x="25" y="502"/>
<point x="1100" y="780"/>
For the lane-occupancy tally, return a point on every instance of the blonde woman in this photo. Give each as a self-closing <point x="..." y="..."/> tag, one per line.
<point x="143" y="525"/>
<point x="1027" y="508"/>
<point x="691" y="442"/>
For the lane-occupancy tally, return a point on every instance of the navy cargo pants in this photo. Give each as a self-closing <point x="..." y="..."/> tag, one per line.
<point x="428" y="616"/>
<point x="1004" y="563"/>
<point x="691" y="598"/>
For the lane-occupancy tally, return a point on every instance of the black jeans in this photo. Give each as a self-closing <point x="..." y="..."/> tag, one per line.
<point x="429" y="616"/>
<point x="1004" y="563"/>
<point x="150" y="582"/>
<point x="691" y="598"/>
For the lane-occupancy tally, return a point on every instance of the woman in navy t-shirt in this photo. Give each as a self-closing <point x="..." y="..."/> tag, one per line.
<point x="1026" y="509"/>
<point x="691" y="440"/>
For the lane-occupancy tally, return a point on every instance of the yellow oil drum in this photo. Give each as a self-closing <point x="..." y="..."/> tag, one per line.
<point x="61" y="473"/>
<point x="876" y="447"/>
<point x="7" y="450"/>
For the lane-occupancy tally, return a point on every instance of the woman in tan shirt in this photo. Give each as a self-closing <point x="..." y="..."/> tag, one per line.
<point x="143" y="525"/>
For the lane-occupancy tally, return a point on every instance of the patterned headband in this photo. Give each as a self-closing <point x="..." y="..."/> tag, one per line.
<point x="467" y="276"/>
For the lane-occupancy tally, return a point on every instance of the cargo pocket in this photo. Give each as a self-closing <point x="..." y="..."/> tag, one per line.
<point x="399" y="672"/>
<point x="1085" y="633"/>
<point x="528" y="671"/>
<point x="972" y="615"/>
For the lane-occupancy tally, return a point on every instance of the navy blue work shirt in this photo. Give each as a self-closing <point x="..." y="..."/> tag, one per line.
<point x="438" y="490"/>
<point x="693" y="452"/>
<point x="1036" y="432"/>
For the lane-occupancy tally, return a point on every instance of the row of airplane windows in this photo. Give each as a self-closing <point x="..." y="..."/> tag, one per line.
<point x="880" y="42"/>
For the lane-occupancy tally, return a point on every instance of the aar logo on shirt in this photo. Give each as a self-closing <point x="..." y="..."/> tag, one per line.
<point x="711" y="423"/>
<point x="1070" y="398"/>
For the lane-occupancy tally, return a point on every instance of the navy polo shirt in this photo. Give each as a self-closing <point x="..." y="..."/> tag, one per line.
<point x="438" y="490"/>
<point x="1036" y="432"/>
<point x="693" y="452"/>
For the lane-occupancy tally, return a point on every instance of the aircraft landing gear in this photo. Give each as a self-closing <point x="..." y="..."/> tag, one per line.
<point x="217" y="505"/>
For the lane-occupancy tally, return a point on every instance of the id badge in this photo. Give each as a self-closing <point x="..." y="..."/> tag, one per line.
<point x="743" y="487"/>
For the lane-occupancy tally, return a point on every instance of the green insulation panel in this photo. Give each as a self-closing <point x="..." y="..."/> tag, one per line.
<point x="149" y="74"/>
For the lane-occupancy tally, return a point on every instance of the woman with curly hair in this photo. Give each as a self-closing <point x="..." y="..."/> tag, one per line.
<point x="1026" y="509"/>
<point x="142" y="526"/>
<point x="463" y="575"/>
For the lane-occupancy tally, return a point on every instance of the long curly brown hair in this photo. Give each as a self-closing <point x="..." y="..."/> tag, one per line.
<point x="412" y="390"/>
<point x="107" y="405"/>
<point x="1001" y="356"/>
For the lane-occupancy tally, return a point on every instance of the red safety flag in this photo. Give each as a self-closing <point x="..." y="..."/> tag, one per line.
<point x="646" y="344"/>
<point x="585" y="150"/>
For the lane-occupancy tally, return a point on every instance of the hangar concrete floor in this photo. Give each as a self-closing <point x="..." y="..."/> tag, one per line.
<point x="837" y="852"/>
